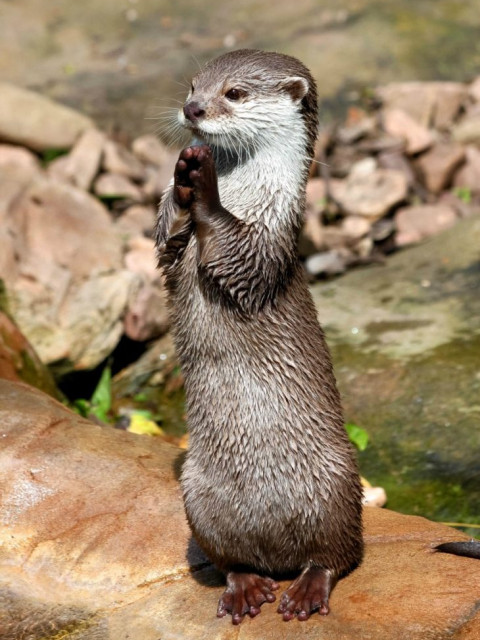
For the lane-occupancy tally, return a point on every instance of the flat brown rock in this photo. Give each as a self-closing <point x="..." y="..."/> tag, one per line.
<point x="437" y="103"/>
<point x="468" y="176"/>
<point x="95" y="546"/>
<point x="81" y="165"/>
<point x="400" y="125"/>
<point x="62" y="268"/>
<point x="421" y="221"/>
<point x="438" y="164"/>
<point x="373" y="192"/>
<point x="37" y="122"/>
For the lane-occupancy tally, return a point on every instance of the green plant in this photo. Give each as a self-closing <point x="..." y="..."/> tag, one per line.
<point x="49" y="155"/>
<point x="100" y="403"/>
<point x="357" y="435"/>
<point x="464" y="194"/>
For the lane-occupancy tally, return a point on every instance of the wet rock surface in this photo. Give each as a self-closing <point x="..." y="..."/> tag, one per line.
<point x="18" y="360"/>
<point x="95" y="545"/>
<point x="405" y="342"/>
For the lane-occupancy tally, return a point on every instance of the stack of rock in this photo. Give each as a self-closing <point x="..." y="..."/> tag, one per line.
<point x="78" y="256"/>
<point x="404" y="170"/>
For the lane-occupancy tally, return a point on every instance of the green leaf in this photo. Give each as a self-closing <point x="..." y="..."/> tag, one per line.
<point x="49" y="155"/>
<point x="101" y="400"/>
<point x="357" y="435"/>
<point x="81" y="406"/>
<point x="464" y="194"/>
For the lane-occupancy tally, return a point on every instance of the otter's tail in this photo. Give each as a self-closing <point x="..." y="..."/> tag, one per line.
<point x="470" y="549"/>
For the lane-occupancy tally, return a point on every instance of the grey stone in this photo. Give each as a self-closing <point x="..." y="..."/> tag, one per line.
<point x="316" y="195"/>
<point x="136" y="220"/>
<point x="405" y="338"/>
<point x="68" y="293"/>
<point x="468" y="176"/>
<point x="14" y="180"/>
<point x="147" y="315"/>
<point x="141" y="258"/>
<point x="329" y="262"/>
<point x="355" y="227"/>
<point x="416" y="316"/>
<point x="474" y="89"/>
<point x="350" y="132"/>
<point x="18" y="157"/>
<point x="155" y="182"/>
<point x="397" y="161"/>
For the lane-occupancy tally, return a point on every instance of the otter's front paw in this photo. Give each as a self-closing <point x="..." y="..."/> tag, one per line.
<point x="204" y="179"/>
<point x="183" y="186"/>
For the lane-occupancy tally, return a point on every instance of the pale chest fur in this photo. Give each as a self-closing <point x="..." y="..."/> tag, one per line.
<point x="266" y="189"/>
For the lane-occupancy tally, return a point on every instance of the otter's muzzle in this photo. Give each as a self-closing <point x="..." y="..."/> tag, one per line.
<point x="193" y="111"/>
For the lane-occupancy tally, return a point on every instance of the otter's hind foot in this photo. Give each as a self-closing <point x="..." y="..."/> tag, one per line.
<point x="309" y="593"/>
<point x="245" y="593"/>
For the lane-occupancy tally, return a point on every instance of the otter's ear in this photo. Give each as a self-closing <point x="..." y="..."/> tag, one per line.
<point x="296" y="86"/>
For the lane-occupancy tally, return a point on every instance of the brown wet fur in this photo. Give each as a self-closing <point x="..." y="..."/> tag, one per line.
<point x="270" y="481"/>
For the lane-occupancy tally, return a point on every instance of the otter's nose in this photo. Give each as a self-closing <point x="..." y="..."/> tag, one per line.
<point x="193" y="111"/>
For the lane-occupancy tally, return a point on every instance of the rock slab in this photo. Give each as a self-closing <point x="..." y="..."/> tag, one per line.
<point x="37" y="122"/>
<point x="95" y="546"/>
<point x="18" y="360"/>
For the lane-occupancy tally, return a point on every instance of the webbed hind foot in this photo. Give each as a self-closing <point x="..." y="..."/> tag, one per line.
<point x="307" y="594"/>
<point x="245" y="593"/>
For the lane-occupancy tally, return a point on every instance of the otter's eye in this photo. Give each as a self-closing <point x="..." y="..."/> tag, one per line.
<point x="192" y="88"/>
<point x="234" y="94"/>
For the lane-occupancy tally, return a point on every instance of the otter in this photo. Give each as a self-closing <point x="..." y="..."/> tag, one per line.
<point x="270" y="482"/>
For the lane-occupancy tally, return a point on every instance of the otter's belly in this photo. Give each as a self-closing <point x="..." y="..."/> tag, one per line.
<point x="268" y="459"/>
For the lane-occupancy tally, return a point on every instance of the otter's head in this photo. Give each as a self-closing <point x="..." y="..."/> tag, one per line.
<point x="243" y="98"/>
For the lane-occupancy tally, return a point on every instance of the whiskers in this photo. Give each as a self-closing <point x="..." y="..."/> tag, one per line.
<point x="230" y="149"/>
<point x="167" y="126"/>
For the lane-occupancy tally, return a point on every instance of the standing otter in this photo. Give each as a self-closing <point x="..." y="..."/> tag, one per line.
<point x="270" y="482"/>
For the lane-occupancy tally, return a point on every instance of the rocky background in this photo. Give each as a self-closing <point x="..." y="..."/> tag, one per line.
<point x="94" y="544"/>
<point x="77" y="208"/>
